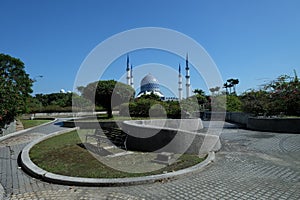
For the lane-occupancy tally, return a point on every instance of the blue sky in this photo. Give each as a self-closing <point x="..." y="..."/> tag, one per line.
<point x="252" y="40"/>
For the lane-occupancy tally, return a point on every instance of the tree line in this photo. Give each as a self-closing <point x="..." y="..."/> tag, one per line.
<point x="279" y="97"/>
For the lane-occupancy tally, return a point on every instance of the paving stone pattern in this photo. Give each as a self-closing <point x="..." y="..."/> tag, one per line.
<point x="250" y="165"/>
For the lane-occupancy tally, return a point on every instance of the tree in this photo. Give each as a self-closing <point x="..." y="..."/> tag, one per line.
<point x="108" y="93"/>
<point x="15" y="87"/>
<point x="199" y="92"/>
<point x="231" y="83"/>
<point x="233" y="103"/>
<point x="255" y="102"/>
<point x="284" y="94"/>
<point x="226" y="86"/>
<point x="215" y="89"/>
<point x="234" y="82"/>
<point x="54" y="102"/>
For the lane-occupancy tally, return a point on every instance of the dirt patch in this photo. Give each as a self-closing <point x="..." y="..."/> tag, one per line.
<point x="21" y="139"/>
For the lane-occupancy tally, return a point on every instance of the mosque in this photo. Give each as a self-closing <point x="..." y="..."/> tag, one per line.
<point x="150" y="84"/>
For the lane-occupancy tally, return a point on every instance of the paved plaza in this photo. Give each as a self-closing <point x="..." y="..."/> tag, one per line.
<point x="250" y="165"/>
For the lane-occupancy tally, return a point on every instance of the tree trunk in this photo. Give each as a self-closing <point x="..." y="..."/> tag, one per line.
<point x="109" y="113"/>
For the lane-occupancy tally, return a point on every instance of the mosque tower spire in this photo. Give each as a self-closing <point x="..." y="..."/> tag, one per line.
<point x="128" y="72"/>
<point x="187" y="76"/>
<point x="131" y="77"/>
<point x="179" y="83"/>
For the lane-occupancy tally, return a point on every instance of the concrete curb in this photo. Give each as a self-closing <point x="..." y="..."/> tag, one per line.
<point x="25" y="130"/>
<point x="2" y="192"/>
<point x="35" y="171"/>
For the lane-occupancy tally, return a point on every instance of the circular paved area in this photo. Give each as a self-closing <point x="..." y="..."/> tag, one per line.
<point x="250" y="165"/>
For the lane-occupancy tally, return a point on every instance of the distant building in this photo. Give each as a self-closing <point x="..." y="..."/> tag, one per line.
<point x="150" y="84"/>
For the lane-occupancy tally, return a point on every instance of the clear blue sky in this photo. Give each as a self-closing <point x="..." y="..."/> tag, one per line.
<point x="252" y="40"/>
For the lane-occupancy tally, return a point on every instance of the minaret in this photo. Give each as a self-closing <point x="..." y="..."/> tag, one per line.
<point x="179" y="83"/>
<point x="187" y="76"/>
<point x="128" y="72"/>
<point x="131" y="77"/>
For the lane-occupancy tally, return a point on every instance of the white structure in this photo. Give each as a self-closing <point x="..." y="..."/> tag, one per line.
<point x="131" y="77"/>
<point x="128" y="72"/>
<point x="149" y="83"/>
<point x="187" y="76"/>
<point x="179" y="83"/>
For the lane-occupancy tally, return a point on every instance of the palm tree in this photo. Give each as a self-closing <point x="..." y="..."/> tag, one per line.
<point x="231" y="83"/>
<point x="235" y="82"/>
<point x="199" y="91"/>
<point x="215" y="89"/>
<point x="226" y="86"/>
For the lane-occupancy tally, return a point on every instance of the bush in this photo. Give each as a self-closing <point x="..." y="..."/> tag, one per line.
<point x="157" y="110"/>
<point x="233" y="104"/>
<point x="173" y="109"/>
<point x="279" y="96"/>
<point x="146" y="107"/>
<point x="124" y="109"/>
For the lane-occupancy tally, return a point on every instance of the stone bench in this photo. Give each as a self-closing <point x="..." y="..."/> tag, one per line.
<point x="99" y="136"/>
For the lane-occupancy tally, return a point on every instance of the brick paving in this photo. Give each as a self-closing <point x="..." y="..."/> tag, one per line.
<point x="250" y="165"/>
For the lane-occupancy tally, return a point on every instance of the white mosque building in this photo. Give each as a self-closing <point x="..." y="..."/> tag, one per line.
<point x="150" y="84"/>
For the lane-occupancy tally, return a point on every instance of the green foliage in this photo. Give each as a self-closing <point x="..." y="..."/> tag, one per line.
<point x="55" y="102"/>
<point x="108" y="94"/>
<point x="231" y="83"/>
<point x="214" y="90"/>
<point x="151" y="106"/>
<point x="82" y="104"/>
<point x="255" y="102"/>
<point x="218" y="103"/>
<point x="173" y="109"/>
<point x="58" y="102"/>
<point x="191" y="104"/>
<point x="15" y="87"/>
<point x="233" y="103"/>
<point x="140" y="107"/>
<point x="59" y="99"/>
<point x="157" y="110"/>
<point x="279" y="96"/>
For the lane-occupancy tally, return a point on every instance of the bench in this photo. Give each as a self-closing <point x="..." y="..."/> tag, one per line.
<point x="99" y="136"/>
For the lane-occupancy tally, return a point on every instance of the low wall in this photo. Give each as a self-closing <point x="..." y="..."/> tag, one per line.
<point x="288" y="125"/>
<point x="237" y="117"/>
<point x="70" y="114"/>
<point x="91" y="124"/>
<point x="213" y="116"/>
<point x="169" y="135"/>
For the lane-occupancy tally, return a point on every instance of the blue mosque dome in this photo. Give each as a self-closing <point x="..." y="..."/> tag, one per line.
<point x="150" y="84"/>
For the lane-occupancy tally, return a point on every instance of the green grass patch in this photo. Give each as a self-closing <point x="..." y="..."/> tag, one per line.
<point x="31" y="123"/>
<point x="62" y="155"/>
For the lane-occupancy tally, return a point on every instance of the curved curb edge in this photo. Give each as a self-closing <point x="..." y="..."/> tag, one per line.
<point x="35" y="171"/>
<point x="25" y="130"/>
<point x="2" y="192"/>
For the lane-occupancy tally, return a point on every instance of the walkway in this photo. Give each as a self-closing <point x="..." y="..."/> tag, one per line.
<point x="250" y="165"/>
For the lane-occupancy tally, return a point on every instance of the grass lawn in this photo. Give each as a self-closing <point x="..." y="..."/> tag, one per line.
<point x="31" y="123"/>
<point x="62" y="155"/>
